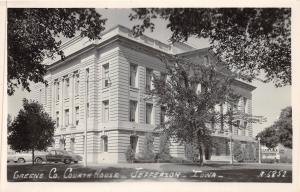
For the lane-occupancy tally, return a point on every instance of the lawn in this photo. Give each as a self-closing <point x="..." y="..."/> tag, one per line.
<point x="150" y="172"/>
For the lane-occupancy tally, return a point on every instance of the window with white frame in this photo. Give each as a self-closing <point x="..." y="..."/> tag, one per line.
<point x="206" y="60"/>
<point x="105" y="110"/>
<point x="198" y="88"/>
<point x="77" y="84"/>
<point x="149" y="74"/>
<point x="149" y="108"/>
<point x="133" y="142"/>
<point x="72" y="144"/>
<point x="104" y="145"/>
<point x="57" y="119"/>
<point x="67" y="117"/>
<point x="57" y="91"/>
<point x="133" y="74"/>
<point x="67" y="87"/>
<point x="106" y="75"/>
<point x="245" y="104"/>
<point x="132" y="111"/>
<point x="77" y="115"/>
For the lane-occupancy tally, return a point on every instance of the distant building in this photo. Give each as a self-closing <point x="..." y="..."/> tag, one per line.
<point x="103" y="85"/>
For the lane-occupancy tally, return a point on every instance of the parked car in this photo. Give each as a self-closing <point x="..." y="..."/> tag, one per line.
<point x="22" y="157"/>
<point x="19" y="157"/>
<point x="57" y="155"/>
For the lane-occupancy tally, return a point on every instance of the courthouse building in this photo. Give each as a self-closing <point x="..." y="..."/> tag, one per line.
<point x="102" y="85"/>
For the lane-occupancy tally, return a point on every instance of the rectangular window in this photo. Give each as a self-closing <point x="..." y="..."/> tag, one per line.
<point x="57" y="119"/>
<point x="87" y="110"/>
<point x="206" y="60"/>
<point x="132" y="111"/>
<point x="72" y="144"/>
<point x="105" y="111"/>
<point x="66" y="117"/>
<point x="106" y="75"/>
<point x="149" y="113"/>
<point x="162" y="114"/>
<point x="87" y="75"/>
<point x="77" y="115"/>
<point x="133" y="142"/>
<point x="57" y="91"/>
<point x="76" y="84"/>
<point x="133" y="72"/>
<point x="245" y="105"/>
<point x="105" y="143"/>
<point x="198" y="89"/>
<point x="149" y="79"/>
<point x="67" y="87"/>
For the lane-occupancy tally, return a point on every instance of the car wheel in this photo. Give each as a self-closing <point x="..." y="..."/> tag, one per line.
<point x="67" y="161"/>
<point x="21" y="160"/>
<point x="39" y="160"/>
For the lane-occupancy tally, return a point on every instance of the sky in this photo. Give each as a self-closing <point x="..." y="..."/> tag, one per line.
<point x="267" y="100"/>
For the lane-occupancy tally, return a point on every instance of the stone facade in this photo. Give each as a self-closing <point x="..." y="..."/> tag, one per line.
<point x="101" y="87"/>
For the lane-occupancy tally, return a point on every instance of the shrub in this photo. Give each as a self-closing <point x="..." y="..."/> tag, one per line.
<point x="250" y="152"/>
<point x="238" y="153"/>
<point x="130" y="154"/>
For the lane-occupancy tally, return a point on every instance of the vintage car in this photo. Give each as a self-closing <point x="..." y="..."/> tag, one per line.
<point x="57" y="155"/>
<point x="22" y="157"/>
<point x="19" y="157"/>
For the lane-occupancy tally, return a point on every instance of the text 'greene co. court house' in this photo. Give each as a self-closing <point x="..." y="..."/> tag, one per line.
<point x="102" y="84"/>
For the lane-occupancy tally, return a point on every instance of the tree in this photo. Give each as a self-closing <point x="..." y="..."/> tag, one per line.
<point x="251" y="41"/>
<point x="9" y="120"/>
<point x="164" y="148"/>
<point x="32" y="129"/>
<point x="35" y="34"/>
<point x="188" y="110"/>
<point x="280" y="132"/>
<point x="147" y="152"/>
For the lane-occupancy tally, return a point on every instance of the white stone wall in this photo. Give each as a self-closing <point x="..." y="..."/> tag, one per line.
<point x="118" y="55"/>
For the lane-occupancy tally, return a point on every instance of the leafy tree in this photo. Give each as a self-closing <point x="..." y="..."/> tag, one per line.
<point x="251" y="41"/>
<point x="32" y="129"/>
<point x="164" y="150"/>
<point x="35" y="34"/>
<point x="9" y="120"/>
<point x="188" y="111"/>
<point x="280" y="132"/>
<point x="147" y="152"/>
